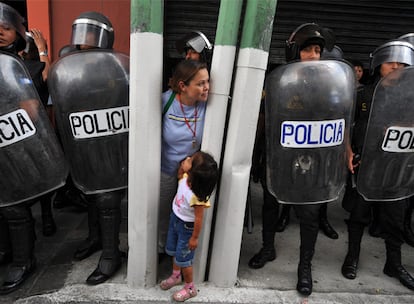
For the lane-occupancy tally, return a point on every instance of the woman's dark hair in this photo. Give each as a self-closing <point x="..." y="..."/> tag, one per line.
<point x="356" y="63"/>
<point x="185" y="72"/>
<point x="203" y="175"/>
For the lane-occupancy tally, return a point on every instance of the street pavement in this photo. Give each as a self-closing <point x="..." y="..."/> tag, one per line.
<point x="60" y="279"/>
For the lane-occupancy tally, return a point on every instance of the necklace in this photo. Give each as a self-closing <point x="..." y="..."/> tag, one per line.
<point x="187" y="122"/>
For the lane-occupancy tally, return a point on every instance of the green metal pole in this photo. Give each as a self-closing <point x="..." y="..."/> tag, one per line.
<point x="146" y="60"/>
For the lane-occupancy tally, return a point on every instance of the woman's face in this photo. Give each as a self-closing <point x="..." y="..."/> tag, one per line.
<point x="198" y="87"/>
<point x="7" y="35"/>
<point x="311" y="52"/>
<point x="388" y="67"/>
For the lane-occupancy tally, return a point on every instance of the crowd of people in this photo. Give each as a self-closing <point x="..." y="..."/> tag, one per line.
<point x="188" y="175"/>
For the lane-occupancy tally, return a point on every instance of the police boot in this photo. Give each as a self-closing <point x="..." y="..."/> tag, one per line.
<point x="284" y="218"/>
<point x="324" y="224"/>
<point x="48" y="223"/>
<point x="304" y="285"/>
<point x="93" y="242"/>
<point x="266" y="254"/>
<point x="5" y="246"/>
<point x="23" y="265"/>
<point x="350" y="265"/>
<point x="375" y="227"/>
<point x="393" y="267"/>
<point x="110" y="260"/>
<point x="408" y="232"/>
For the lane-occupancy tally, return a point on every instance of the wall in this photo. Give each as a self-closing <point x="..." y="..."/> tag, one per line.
<point x="54" y="18"/>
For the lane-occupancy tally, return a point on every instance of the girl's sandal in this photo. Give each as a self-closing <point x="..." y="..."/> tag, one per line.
<point x="184" y="294"/>
<point x="170" y="282"/>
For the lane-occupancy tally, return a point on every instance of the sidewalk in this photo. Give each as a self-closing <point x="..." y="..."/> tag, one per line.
<point x="59" y="279"/>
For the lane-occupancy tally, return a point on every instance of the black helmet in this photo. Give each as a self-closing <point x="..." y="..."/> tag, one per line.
<point x="10" y="17"/>
<point x="303" y="36"/>
<point x="195" y="40"/>
<point x="96" y="24"/>
<point x="335" y="54"/>
<point x="392" y="51"/>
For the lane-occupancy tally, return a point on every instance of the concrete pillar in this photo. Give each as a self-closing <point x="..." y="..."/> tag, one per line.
<point x="146" y="60"/>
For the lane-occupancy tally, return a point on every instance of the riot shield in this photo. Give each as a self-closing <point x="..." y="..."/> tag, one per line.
<point x="90" y="93"/>
<point x="386" y="172"/>
<point x="32" y="161"/>
<point x="309" y="108"/>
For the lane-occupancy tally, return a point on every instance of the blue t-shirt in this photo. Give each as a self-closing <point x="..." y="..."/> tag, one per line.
<point x="177" y="137"/>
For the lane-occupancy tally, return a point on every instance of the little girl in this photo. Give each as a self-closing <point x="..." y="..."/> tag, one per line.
<point x="197" y="177"/>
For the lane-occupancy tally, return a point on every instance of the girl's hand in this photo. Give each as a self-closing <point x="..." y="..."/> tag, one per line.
<point x="193" y="243"/>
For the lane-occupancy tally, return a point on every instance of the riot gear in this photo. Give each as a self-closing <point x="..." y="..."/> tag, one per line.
<point x="392" y="51"/>
<point x="11" y="18"/>
<point x="94" y="30"/>
<point x="335" y="53"/>
<point x="302" y="98"/>
<point x="197" y="41"/>
<point x="304" y="35"/>
<point x="93" y="119"/>
<point x="407" y="37"/>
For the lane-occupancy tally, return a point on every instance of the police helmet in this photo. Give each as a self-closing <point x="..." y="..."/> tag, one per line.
<point x="195" y="40"/>
<point x="10" y="17"/>
<point x="407" y="37"/>
<point x="336" y="53"/>
<point x="392" y="51"/>
<point x="93" y="29"/>
<point x="303" y="36"/>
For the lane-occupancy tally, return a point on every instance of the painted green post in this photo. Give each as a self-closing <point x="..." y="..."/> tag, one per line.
<point x="248" y="85"/>
<point x="146" y="62"/>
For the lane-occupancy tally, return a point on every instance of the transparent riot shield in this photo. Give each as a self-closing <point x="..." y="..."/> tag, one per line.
<point x="309" y="107"/>
<point x="386" y="172"/>
<point x="90" y="93"/>
<point x="32" y="161"/>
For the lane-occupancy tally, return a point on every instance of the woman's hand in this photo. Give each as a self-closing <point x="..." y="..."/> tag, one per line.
<point x="39" y="40"/>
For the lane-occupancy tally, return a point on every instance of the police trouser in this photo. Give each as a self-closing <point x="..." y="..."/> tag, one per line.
<point x="308" y="216"/>
<point x="391" y="216"/>
<point x="21" y="234"/>
<point x="108" y="206"/>
<point x="270" y="211"/>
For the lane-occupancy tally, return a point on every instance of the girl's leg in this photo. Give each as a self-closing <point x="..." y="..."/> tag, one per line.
<point x="173" y="280"/>
<point x="189" y="290"/>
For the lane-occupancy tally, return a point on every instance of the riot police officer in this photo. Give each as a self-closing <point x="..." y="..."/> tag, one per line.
<point x="98" y="159"/>
<point x="408" y="232"/>
<point x="307" y="171"/>
<point x="40" y="149"/>
<point x="196" y="46"/>
<point x="385" y="61"/>
<point x="17" y="235"/>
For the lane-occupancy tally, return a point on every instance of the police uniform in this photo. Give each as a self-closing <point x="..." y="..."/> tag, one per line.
<point x="17" y="236"/>
<point x="391" y="214"/>
<point x="307" y="209"/>
<point x="101" y="174"/>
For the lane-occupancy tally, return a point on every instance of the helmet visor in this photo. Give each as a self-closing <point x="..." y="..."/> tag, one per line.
<point x="395" y="51"/>
<point x="90" y="32"/>
<point x="199" y="42"/>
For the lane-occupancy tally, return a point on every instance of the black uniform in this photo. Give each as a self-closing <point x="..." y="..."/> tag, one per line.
<point x="391" y="214"/>
<point x="17" y="236"/>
